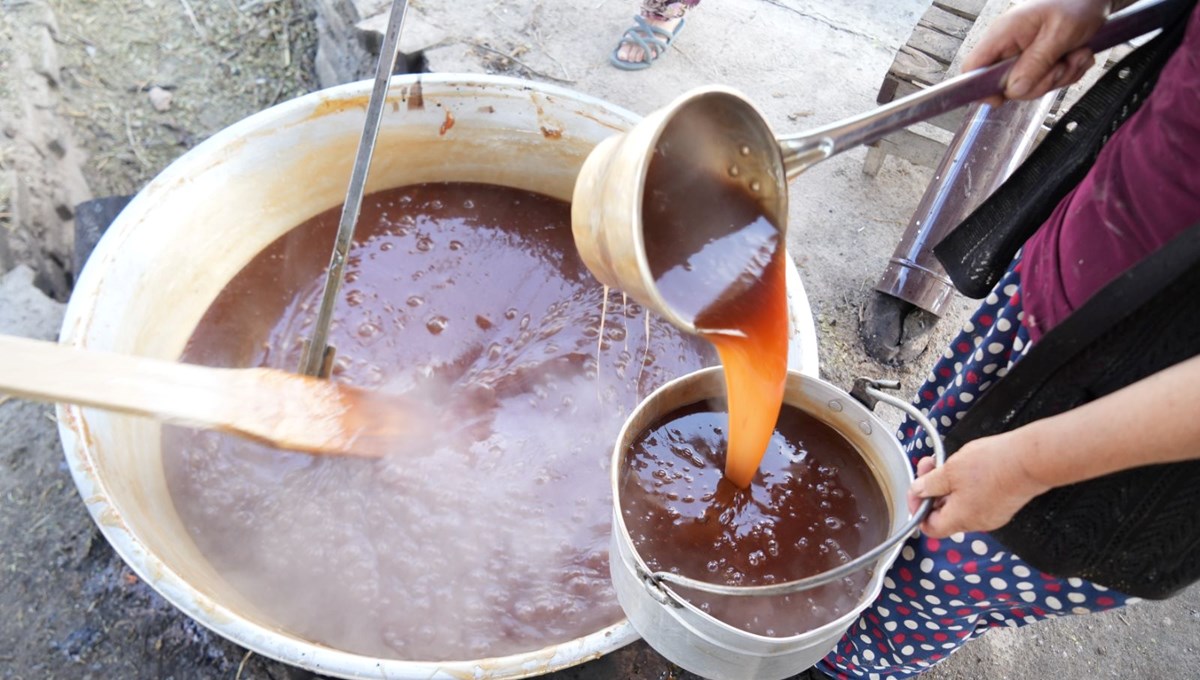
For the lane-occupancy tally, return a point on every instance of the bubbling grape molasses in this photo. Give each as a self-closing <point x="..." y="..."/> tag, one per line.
<point x="489" y="540"/>
<point x="795" y="498"/>
<point x="814" y="504"/>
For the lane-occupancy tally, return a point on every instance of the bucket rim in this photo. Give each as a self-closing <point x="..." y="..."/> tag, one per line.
<point x="649" y="578"/>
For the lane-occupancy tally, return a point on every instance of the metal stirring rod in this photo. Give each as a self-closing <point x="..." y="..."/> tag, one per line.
<point x="318" y="353"/>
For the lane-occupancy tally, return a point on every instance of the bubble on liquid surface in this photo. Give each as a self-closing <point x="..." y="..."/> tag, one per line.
<point x="437" y="324"/>
<point x="364" y="538"/>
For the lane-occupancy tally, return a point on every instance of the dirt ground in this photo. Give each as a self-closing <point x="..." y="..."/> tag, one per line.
<point x="142" y="81"/>
<point x="70" y="607"/>
<point x="216" y="62"/>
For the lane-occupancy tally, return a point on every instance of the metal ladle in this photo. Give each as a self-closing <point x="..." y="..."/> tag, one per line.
<point x="317" y="357"/>
<point x="728" y="136"/>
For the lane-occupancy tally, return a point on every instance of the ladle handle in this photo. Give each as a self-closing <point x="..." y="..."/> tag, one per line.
<point x="870" y="390"/>
<point x="317" y="358"/>
<point x="804" y="150"/>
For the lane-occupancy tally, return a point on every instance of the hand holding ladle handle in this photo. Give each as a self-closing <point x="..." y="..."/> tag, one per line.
<point x="803" y="150"/>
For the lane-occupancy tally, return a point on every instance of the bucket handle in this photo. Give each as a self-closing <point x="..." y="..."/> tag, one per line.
<point x="869" y="392"/>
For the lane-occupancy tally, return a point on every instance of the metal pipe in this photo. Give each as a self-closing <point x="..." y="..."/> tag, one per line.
<point x="988" y="146"/>
<point x="318" y="355"/>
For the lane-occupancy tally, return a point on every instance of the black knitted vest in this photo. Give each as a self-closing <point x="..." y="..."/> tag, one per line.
<point x="1137" y="531"/>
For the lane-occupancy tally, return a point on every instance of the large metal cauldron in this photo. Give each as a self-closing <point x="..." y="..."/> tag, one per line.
<point x="195" y="226"/>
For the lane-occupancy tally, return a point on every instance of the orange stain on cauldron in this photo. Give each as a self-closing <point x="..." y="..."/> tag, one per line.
<point x="412" y="96"/>
<point x="415" y="96"/>
<point x="327" y="107"/>
<point x="447" y="123"/>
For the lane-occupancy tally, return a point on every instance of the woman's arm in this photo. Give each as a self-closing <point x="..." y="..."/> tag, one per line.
<point x="1155" y="420"/>
<point x="1049" y="36"/>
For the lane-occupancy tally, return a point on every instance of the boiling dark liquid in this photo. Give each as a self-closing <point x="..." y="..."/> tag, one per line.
<point x="719" y="262"/>
<point x="815" y="504"/>
<point x="795" y="497"/>
<point x="489" y="539"/>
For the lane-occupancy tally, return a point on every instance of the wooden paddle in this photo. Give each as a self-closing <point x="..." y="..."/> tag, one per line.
<point x="274" y="407"/>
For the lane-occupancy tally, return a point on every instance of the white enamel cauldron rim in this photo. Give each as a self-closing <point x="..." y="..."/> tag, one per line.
<point x="76" y="425"/>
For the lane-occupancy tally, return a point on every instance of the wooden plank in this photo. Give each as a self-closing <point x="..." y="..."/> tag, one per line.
<point x="934" y="43"/>
<point x="908" y="145"/>
<point x="904" y="88"/>
<point x="991" y="10"/>
<point x="948" y="121"/>
<point x="873" y="163"/>
<point x="917" y="67"/>
<point x="951" y="24"/>
<point x="969" y="9"/>
<point x="887" y="91"/>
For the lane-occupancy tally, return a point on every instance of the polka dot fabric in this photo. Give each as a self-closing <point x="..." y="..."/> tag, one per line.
<point x="941" y="593"/>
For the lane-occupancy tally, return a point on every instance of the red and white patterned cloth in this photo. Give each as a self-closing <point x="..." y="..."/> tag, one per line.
<point x="666" y="9"/>
<point x="941" y="593"/>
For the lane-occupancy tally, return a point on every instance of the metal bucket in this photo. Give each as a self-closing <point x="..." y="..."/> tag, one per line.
<point x="707" y="646"/>
<point x="189" y="232"/>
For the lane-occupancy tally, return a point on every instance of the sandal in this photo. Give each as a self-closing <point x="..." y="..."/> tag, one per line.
<point x="653" y="41"/>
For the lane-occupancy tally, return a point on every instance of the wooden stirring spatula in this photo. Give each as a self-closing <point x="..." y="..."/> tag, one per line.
<point x="273" y="407"/>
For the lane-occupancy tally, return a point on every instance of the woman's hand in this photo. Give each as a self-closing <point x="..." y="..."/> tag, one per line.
<point x="1050" y="37"/>
<point x="985" y="482"/>
<point x="979" y="488"/>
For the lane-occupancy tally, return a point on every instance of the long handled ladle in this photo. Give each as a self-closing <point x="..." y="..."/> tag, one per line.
<point x="317" y="359"/>
<point x="720" y="133"/>
<point x="274" y="407"/>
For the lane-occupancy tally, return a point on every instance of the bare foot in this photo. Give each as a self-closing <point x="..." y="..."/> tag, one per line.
<point x="631" y="52"/>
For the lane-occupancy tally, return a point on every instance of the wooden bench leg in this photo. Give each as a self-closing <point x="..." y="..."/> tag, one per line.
<point x="875" y="158"/>
<point x="911" y="146"/>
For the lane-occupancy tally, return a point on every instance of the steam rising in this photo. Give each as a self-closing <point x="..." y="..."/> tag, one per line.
<point x="489" y="536"/>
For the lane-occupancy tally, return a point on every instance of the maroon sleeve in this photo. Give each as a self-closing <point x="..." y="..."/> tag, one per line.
<point x="1143" y="190"/>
